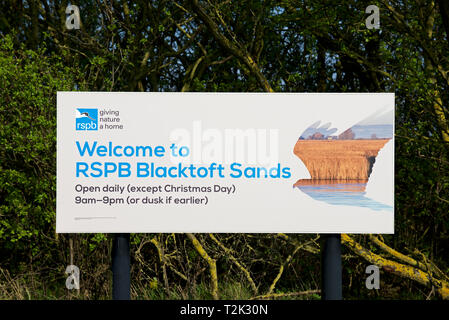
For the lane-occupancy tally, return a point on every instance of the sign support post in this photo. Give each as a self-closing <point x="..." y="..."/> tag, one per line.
<point x="331" y="272"/>
<point x="121" y="278"/>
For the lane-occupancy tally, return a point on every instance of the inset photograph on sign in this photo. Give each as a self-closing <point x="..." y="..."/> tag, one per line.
<point x="341" y="165"/>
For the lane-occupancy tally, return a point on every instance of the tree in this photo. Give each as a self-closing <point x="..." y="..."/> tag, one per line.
<point x="346" y="135"/>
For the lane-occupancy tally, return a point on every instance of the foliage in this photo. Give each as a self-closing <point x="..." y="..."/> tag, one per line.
<point x="246" y="46"/>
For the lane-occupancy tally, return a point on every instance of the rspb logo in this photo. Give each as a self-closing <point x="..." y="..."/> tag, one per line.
<point x="86" y="119"/>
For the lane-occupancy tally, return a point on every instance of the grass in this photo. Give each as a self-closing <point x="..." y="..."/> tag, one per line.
<point x="24" y="288"/>
<point x="228" y="291"/>
<point x="339" y="159"/>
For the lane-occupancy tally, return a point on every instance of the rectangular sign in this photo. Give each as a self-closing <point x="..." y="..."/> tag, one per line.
<point x="225" y="162"/>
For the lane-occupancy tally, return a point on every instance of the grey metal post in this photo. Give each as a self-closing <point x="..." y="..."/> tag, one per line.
<point x="121" y="279"/>
<point x="331" y="278"/>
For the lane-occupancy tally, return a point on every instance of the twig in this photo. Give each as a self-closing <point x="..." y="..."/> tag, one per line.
<point x="288" y="294"/>
<point x="236" y="262"/>
<point x="211" y="262"/>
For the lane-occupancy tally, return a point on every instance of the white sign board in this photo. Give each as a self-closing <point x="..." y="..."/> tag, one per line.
<point x="225" y="162"/>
